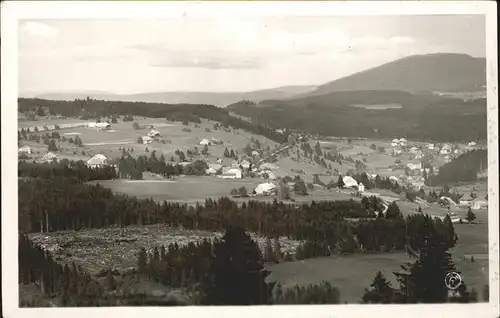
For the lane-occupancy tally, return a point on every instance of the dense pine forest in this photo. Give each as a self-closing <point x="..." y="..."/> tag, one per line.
<point x="465" y="168"/>
<point x="91" y="108"/>
<point x="420" y="118"/>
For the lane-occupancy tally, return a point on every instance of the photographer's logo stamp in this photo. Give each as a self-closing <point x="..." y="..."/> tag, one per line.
<point x="453" y="280"/>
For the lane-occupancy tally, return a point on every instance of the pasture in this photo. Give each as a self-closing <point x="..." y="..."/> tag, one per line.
<point x="352" y="274"/>
<point x="190" y="189"/>
<point x="123" y="135"/>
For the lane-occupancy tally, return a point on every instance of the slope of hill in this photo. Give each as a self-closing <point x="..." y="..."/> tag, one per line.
<point x="447" y="72"/>
<point x="219" y="99"/>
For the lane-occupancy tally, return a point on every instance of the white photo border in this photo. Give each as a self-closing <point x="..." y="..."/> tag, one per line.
<point x="13" y="11"/>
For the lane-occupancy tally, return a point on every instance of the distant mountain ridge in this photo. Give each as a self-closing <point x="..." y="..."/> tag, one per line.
<point x="445" y="72"/>
<point x="220" y="99"/>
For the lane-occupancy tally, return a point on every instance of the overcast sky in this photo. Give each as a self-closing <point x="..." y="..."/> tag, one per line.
<point x="243" y="54"/>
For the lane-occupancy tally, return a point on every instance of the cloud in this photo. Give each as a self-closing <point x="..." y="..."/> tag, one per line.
<point x="207" y="61"/>
<point x="40" y="30"/>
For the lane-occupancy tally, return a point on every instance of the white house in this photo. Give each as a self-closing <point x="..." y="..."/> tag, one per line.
<point x="146" y="140"/>
<point x="265" y="188"/>
<point x="479" y="205"/>
<point x="49" y="157"/>
<point x="255" y="153"/>
<point x="205" y="142"/>
<point x="231" y="173"/>
<point x="361" y="187"/>
<point x="97" y="161"/>
<point x="445" y="150"/>
<point x="402" y="142"/>
<point x="471" y="144"/>
<point x="395" y="143"/>
<point x="25" y="150"/>
<point x="153" y="133"/>
<point x="430" y="146"/>
<point x="219" y="160"/>
<point x="349" y="182"/>
<point x="245" y="164"/>
<point x="466" y="200"/>
<point x="414" y="150"/>
<point x="211" y="171"/>
<point x="103" y="126"/>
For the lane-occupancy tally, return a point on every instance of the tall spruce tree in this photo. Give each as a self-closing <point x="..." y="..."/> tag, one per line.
<point x="236" y="274"/>
<point x="380" y="291"/>
<point x="423" y="281"/>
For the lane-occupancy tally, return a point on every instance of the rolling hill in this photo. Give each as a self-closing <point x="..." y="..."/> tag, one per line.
<point x="444" y="72"/>
<point x="219" y="99"/>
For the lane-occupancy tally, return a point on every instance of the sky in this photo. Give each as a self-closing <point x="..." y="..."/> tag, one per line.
<point x="220" y="55"/>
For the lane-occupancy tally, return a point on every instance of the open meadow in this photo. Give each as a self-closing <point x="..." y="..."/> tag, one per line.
<point x="353" y="273"/>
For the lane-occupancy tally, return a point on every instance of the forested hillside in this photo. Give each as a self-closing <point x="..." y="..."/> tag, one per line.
<point x="91" y="108"/>
<point x="420" y="117"/>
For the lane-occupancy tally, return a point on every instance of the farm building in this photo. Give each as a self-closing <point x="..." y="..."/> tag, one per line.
<point x="479" y="205"/>
<point x="349" y="182"/>
<point x="402" y="142"/>
<point x="97" y="161"/>
<point x="231" y="173"/>
<point x="153" y="133"/>
<point x="471" y="144"/>
<point x="395" y="143"/>
<point x="265" y="188"/>
<point x="414" y="150"/>
<point x="217" y="141"/>
<point x="430" y="146"/>
<point x="49" y="157"/>
<point x="466" y="199"/>
<point x="215" y="166"/>
<point x="211" y="171"/>
<point x="245" y="164"/>
<point x="146" y="140"/>
<point x="25" y="150"/>
<point x="361" y="187"/>
<point x="445" y="150"/>
<point x="102" y="126"/>
<point x="255" y="153"/>
<point x="205" y="142"/>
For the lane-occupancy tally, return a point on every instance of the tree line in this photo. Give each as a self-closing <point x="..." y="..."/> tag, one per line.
<point x="132" y="168"/>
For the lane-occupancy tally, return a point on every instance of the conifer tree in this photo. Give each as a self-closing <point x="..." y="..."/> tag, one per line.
<point x="422" y="281"/>
<point x="142" y="261"/>
<point x="470" y="215"/>
<point x="236" y="274"/>
<point x="340" y="182"/>
<point x="380" y="291"/>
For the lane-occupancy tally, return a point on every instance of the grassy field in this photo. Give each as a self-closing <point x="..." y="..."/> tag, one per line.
<point x="352" y="274"/>
<point x="122" y="134"/>
<point x="192" y="189"/>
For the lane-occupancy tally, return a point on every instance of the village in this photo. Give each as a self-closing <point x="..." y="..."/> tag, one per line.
<point x="263" y="166"/>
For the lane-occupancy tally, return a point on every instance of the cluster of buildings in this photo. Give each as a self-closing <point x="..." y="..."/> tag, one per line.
<point x="446" y="151"/>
